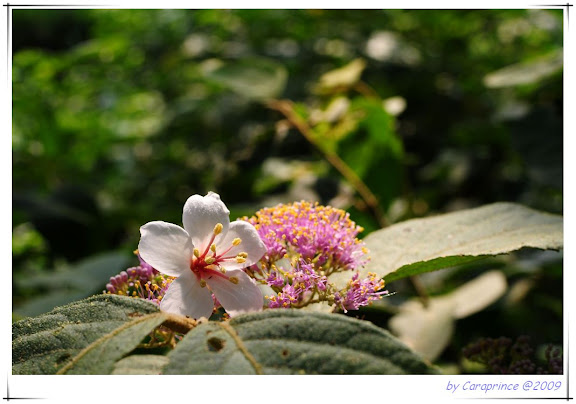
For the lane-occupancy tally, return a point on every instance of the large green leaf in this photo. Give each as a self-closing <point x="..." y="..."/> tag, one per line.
<point x="47" y="343"/>
<point x="292" y="342"/>
<point x="423" y="245"/>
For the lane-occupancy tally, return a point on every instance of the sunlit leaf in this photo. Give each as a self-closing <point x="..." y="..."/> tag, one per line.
<point x="423" y="245"/>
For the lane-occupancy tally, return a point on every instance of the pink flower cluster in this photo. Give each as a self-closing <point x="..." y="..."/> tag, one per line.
<point x="306" y="243"/>
<point x="360" y="292"/>
<point x="141" y="281"/>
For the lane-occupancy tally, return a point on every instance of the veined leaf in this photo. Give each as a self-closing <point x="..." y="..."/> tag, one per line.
<point x="140" y="365"/>
<point x="292" y="342"/>
<point x="45" y="344"/>
<point x="100" y="356"/>
<point x="424" y="245"/>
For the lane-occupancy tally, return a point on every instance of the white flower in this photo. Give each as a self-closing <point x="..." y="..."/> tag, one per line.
<point x="208" y="254"/>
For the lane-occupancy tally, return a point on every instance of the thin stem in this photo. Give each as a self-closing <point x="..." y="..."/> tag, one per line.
<point x="285" y="107"/>
<point x="366" y="90"/>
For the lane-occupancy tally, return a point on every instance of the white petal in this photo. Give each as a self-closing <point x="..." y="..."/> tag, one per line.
<point x="243" y="297"/>
<point x="251" y="244"/>
<point x="166" y="247"/>
<point x="186" y="297"/>
<point x="200" y="216"/>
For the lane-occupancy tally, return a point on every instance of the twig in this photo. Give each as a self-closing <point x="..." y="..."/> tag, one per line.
<point x="285" y="107"/>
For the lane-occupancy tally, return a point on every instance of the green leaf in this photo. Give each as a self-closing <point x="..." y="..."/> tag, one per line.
<point x="424" y="245"/>
<point x="140" y="365"/>
<point x="252" y="78"/>
<point x="292" y="342"/>
<point x="45" y="344"/>
<point x="101" y="356"/>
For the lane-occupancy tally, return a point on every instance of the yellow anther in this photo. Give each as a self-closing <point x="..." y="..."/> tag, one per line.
<point x="234" y="280"/>
<point x="223" y="270"/>
<point x="240" y="260"/>
<point x="202" y="283"/>
<point x="210" y="260"/>
<point x="218" y="228"/>
<point x="196" y="252"/>
<point x="236" y="241"/>
<point x="243" y="254"/>
<point x="213" y="248"/>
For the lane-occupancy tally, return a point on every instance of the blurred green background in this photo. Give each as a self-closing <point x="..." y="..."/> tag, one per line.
<point x="120" y="115"/>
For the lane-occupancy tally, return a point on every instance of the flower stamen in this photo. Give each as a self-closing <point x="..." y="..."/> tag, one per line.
<point x="234" y="280"/>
